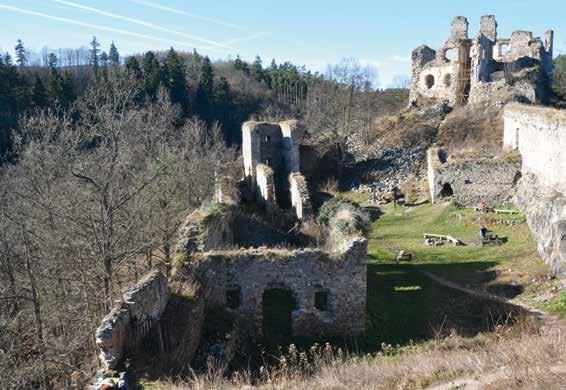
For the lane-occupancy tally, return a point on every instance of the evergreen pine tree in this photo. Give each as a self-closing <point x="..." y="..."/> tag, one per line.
<point x="52" y="61"/>
<point x="8" y="59"/>
<point x="238" y="63"/>
<point x="176" y="80"/>
<point x="152" y="74"/>
<point x="67" y="91"/>
<point x="113" y="55"/>
<point x="241" y="65"/>
<point x="21" y="55"/>
<point x="207" y="77"/>
<point x="94" y="55"/>
<point x="133" y="67"/>
<point x="39" y="93"/>
<point x="257" y="69"/>
<point x="223" y="109"/>
<point x="104" y="59"/>
<point x="54" y="81"/>
<point x="104" y="64"/>
<point x="205" y="90"/>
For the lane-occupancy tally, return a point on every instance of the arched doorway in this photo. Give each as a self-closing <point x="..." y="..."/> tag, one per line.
<point x="277" y="307"/>
<point x="446" y="190"/>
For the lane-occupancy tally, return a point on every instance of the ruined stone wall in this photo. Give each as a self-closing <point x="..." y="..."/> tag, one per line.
<point x="265" y="189"/>
<point x="250" y="151"/>
<point x="271" y="153"/>
<point x="226" y="190"/>
<point x="471" y="181"/>
<point x="207" y="228"/>
<point x="421" y="56"/>
<point x="304" y="272"/>
<point x="292" y="135"/>
<point x="142" y="304"/>
<point x="539" y="134"/>
<point x="546" y="215"/>
<point x="300" y="197"/>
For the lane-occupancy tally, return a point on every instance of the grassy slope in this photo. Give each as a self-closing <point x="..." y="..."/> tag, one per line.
<point x="403" y="304"/>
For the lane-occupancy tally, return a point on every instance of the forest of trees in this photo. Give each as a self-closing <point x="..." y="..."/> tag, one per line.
<point x="226" y="92"/>
<point x="101" y="159"/>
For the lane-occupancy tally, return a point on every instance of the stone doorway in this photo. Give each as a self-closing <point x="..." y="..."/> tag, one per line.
<point x="278" y="305"/>
<point x="446" y="190"/>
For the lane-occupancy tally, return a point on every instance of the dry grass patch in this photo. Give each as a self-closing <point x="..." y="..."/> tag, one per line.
<point x="472" y="131"/>
<point x="524" y="359"/>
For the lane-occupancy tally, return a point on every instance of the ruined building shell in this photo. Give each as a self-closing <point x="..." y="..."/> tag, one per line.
<point x="472" y="70"/>
<point x="272" y="165"/>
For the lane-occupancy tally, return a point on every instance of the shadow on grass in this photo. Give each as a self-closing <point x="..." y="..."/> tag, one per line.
<point x="403" y="304"/>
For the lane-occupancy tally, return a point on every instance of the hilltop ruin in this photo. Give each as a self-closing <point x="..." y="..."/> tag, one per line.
<point x="472" y="70"/>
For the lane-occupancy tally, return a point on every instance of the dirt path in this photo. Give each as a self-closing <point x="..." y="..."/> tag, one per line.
<point x="550" y="324"/>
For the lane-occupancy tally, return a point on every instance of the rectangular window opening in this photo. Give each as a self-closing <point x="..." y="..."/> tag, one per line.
<point x="233" y="297"/>
<point x="321" y="300"/>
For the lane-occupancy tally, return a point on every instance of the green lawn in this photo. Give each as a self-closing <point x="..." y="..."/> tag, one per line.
<point x="404" y="305"/>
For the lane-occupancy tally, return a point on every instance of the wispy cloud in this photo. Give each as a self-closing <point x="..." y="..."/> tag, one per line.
<point x="141" y="23"/>
<point x="189" y="14"/>
<point x="98" y="27"/>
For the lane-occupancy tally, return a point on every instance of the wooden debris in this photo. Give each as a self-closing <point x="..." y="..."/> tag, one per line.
<point x="503" y="211"/>
<point x="444" y="237"/>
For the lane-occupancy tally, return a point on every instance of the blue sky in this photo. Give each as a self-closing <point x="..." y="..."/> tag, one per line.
<point x="308" y="32"/>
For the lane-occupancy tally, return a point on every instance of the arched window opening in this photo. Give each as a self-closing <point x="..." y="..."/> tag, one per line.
<point x="429" y="81"/>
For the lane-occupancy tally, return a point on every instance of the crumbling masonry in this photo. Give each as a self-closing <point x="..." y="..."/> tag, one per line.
<point x="473" y="70"/>
<point x="272" y="166"/>
<point x="539" y="135"/>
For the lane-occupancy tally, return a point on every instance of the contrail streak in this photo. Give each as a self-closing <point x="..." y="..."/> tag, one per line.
<point x="243" y="39"/>
<point x="181" y="12"/>
<point x="248" y="38"/>
<point x="141" y="22"/>
<point x="98" y="27"/>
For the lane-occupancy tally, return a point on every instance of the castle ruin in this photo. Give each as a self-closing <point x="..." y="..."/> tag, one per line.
<point x="243" y="263"/>
<point x="473" y="70"/>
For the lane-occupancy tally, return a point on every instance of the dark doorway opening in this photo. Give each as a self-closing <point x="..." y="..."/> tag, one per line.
<point x="446" y="191"/>
<point x="233" y="297"/>
<point x="321" y="300"/>
<point x="278" y="306"/>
